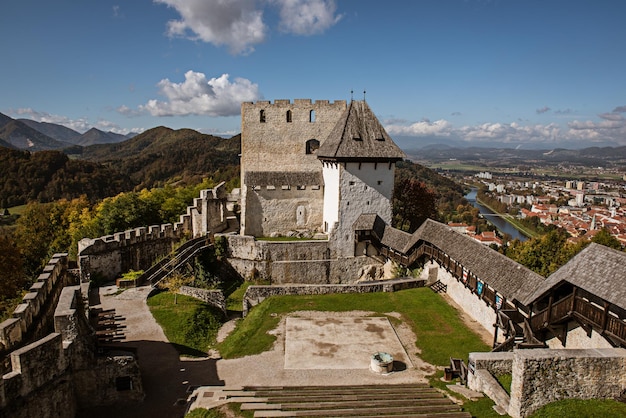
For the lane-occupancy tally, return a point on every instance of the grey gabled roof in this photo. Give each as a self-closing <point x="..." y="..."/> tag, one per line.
<point x="359" y="136"/>
<point x="509" y="278"/>
<point x="597" y="269"/>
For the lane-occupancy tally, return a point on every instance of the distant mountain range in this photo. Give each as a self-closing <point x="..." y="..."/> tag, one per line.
<point x="592" y="156"/>
<point x="30" y="135"/>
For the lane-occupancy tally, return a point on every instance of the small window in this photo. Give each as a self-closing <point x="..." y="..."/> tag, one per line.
<point x="312" y="145"/>
<point x="123" y="383"/>
<point x="357" y="138"/>
<point x="351" y="183"/>
<point x="262" y="116"/>
<point x="316" y="187"/>
<point x="380" y="182"/>
<point x="270" y="187"/>
<point x="312" y="116"/>
<point x="284" y="187"/>
<point x="300" y="187"/>
<point x="380" y="139"/>
<point x="288" y="116"/>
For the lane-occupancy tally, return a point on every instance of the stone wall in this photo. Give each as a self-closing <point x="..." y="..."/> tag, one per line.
<point x="32" y="318"/>
<point x="137" y="249"/>
<point x="55" y="375"/>
<point x="293" y="261"/>
<point x="543" y="376"/>
<point x="257" y="294"/>
<point x="212" y="297"/>
<point x="274" y="138"/>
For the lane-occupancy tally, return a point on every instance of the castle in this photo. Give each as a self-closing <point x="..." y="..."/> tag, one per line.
<point x="325" y="170"/>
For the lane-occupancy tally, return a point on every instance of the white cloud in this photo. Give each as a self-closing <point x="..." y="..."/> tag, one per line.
<point x="424" y="128"/>
<point x="80" y="124"/>
<point x="510" y="132"/>
<point x="198" y="95"/>
<point x="236" y="23"/>
<point x="306" y="17"/>
<point x="239" y="24"/>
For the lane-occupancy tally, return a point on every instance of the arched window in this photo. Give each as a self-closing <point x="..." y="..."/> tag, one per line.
<point x="312" y="145"/>
<point x="262" y="116"/>
<point x="312" y="116"/>
<point x="288" y="116"/>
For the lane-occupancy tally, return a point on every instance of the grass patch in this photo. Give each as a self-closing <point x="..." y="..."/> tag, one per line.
<point x="189" y="324"/>
<point x="224" y="411"/>
<point x="234" y="301"/>
<point x="592" y="408"/>
<point x="505" y="381"/>
<point x="435" y="323"/>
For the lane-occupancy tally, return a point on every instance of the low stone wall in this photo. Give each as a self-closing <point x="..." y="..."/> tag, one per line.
<point x="257" y="294"/>
<point x="542" y="376"/>
<point x="32" y="318"/>
<point x="212" y="297"/>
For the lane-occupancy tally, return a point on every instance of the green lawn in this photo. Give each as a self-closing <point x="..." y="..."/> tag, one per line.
<point x="592" y="408"/>
<point x="189" y="324"/>
<point x="435" y="323"/>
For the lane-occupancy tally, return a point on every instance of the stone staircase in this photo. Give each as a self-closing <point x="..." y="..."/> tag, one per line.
<point x="405" y="400"/>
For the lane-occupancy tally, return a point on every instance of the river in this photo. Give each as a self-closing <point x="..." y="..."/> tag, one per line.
<point x="503" y="226"/>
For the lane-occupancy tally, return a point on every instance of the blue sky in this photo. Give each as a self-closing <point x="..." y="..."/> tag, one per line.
<point x="520" y="72"/>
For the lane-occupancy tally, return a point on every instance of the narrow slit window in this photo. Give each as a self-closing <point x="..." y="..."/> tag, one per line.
<point x="288" y="116"/>
<point x="312" y="116"/>
<point x="262" y="116"/>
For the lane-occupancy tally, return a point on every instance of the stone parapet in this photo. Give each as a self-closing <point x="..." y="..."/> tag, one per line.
<point x="212" y="297"/>
<point x="543" y="376"/>
<point x="36" y="304"/>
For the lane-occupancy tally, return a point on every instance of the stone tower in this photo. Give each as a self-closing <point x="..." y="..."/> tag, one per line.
<point x="358" y="164"/>
<point x="281" y="178"/>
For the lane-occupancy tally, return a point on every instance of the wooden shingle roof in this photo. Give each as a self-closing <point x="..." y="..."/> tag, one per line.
<point x="509" y="278"/>
<point x="359" y="136"/>
<point x="597" y="269"/>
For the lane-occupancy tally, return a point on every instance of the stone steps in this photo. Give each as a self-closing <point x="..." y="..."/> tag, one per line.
<point x="345" y="401"/>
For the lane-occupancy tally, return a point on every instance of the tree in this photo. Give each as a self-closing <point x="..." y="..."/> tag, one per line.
<point x="605" y="238"/>
<point x="413" y="203"/>
<point x="12" y="278"/>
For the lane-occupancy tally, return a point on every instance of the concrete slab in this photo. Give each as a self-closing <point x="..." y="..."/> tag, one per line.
<point x="339" y="342"/>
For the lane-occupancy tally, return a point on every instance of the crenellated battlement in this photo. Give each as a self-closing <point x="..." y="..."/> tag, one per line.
<point x="138" y="248"/>
<point x="295" y="103"/>
<point x="43" y="295"/>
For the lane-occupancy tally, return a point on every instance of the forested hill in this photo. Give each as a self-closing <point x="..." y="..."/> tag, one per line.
<point x="162" y="155"/>
<point x="154" y="158"/>
<point x="45" y="176"/>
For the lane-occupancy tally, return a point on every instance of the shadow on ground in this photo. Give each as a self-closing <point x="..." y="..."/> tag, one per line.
<point x="167" y="382"/>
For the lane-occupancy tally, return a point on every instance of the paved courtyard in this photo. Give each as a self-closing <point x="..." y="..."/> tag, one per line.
<point x="339" y="343"/>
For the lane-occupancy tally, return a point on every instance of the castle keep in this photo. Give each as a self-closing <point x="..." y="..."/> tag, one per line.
<point x="314" y="168"/>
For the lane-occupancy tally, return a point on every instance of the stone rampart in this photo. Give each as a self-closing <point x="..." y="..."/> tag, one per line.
<point x="32" y="318"/>
<point x="212" y="297"/>
<point x="57" y="374"/>
<point x="137" y="249"/>
<point x="257" y="294"/>
<point x="542" y="376"/>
